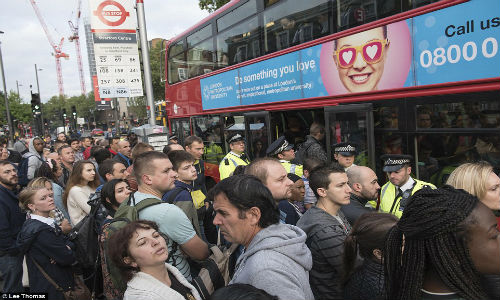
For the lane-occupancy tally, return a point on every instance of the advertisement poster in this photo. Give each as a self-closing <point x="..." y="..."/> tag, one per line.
<point x="429" y="49"/>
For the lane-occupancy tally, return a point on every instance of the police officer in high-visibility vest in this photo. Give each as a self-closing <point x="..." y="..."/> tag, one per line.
<point x="344" y="154"/>
<point x="283" y="151"/>
<point x="236" y="157"/>
<point x="394" y="194"/>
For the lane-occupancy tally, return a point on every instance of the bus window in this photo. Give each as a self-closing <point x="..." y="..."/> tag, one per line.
<point x="236" y="15"/>
<point x="177" y="66"/>
<point x="292" y="22"/>
<point x="238" y="43"/>
<point x="200" y="59"/>
<point x="208" y="128"/>
<point x="233" y="124"/>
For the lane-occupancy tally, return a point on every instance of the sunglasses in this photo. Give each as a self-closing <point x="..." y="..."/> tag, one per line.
<point x="371" y="53"/>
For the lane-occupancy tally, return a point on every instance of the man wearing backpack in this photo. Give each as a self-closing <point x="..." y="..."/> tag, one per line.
<point x="155" y="176"/>
<point x="183" y="164"/>
<point x="33" y="160"/>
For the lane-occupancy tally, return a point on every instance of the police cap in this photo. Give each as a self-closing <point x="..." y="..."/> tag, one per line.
<point x="345" y="148"/>
<point x="278" y="146"/>
<point x="394" y="162"/>
<point x="235" y="138"/>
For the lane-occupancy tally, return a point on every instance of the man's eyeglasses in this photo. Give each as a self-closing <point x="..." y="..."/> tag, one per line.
<point x="371" y="53"/>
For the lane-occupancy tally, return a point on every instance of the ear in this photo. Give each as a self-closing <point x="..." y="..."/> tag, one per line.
<point x="336" y="156"/>
<point x="280" y="156"/>
<point x="321" y="192"/>
<point x="146" y="179"/>
<point x="357" y="187"/>
<point x="408" y="171"/>
<point x="254" y="215"/>
<point x="108" y="177"/>
<point x="31" y="206"/>
<point x="130" y="262"/>
<point x="377" y="253"/>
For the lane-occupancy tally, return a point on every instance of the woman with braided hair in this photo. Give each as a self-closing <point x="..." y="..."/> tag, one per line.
<point x="444" y="240"/>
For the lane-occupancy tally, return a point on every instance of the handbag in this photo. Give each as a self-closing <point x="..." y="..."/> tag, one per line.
<point x="79" y="291"/>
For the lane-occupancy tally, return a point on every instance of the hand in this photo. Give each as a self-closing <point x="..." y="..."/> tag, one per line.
<point x="65" y="226"/>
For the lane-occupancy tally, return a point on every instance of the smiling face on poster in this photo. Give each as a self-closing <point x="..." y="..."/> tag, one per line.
<point x="375" y="59"/>
<point x="360" y="59"/>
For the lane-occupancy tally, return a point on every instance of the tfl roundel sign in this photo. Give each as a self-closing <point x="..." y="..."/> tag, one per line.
<point x="111" y="13"/>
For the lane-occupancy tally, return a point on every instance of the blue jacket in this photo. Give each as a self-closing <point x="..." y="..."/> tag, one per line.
<point x="42" y="243"/>
<point x="11" y="221"/>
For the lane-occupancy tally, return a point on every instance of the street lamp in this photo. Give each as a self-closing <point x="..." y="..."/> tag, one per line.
<point x="38" y="88"/>
<point x="7" y="110"/>
<point x="18" y="85"/>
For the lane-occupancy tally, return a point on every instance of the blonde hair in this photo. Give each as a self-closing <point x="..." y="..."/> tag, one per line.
<point x="26" y="197"/>
<point x="39" y="182"/>
<point x="471" y="177"/>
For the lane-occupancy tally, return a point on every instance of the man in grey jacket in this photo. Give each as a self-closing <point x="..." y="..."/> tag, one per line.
<point x="34" y="155"/>
<point x="276" y="258"/>
<point x="326" y="229"/>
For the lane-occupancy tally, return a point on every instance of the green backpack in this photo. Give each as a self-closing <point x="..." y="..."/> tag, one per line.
<point x="125" y="214"/>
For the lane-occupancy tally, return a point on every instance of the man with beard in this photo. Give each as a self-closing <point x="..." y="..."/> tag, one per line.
<point x="364" y="184"/>
<point x="11" y="221"/>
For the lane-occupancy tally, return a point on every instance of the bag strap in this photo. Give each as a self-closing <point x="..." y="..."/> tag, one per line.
<point x="58" y="288"/>
<point x="146" y="203"/>
<point x="173" y="194"/>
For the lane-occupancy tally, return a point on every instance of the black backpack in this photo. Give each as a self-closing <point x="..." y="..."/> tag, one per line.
<point x="301" y="153"/>
<point x="22" y="172"/>
<point x="85" y="235"/>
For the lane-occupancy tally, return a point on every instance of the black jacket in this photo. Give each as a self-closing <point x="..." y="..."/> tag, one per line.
<point x="355" y="209"/>
<point x="121" y="158"/>
<point x="366" y="283"/>
<point x="11" y="221"/>
<point x="43" y="243"/>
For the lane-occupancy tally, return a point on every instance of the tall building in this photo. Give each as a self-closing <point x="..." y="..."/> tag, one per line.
<point x="90" y="49"/>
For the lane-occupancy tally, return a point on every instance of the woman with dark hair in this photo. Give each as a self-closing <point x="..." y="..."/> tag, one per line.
<point x="292" y="205"/>
<point x="367" y="238"/>
<point x="139" y="251"/>
<point x="81" y="184"/>
<point x="44" y="246"/>
<point x="113" y="193"/>
<point x="445" y="239"/>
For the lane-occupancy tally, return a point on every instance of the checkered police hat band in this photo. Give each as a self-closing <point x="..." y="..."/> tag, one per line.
<point x="390" y="162"/>
<point x="347" y="148"/>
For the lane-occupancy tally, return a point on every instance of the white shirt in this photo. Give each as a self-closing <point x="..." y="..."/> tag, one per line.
<point x="48" y="221"/>
<point x="408" y="185"/>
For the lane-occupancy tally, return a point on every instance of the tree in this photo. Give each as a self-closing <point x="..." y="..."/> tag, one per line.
<point x="211" y="5"/>
<point x="20" y="112"/>
<point x="157" y="63"/>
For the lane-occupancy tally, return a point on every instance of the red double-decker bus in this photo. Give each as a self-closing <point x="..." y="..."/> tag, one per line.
<point x="419" y="77"/>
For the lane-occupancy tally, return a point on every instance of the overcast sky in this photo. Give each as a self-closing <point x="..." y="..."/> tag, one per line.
<point x="24" y="43"/>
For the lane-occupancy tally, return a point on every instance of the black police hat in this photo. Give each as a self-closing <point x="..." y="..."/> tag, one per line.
<point x="173" y="137"/>
<point x="394" y="162"/>
<point x="278" y="146"/>
<point x="235" y="138"/>
<point x="345" y="148"/>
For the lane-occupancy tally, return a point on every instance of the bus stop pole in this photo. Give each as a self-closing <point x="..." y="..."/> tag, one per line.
<point x="141" y="19"/>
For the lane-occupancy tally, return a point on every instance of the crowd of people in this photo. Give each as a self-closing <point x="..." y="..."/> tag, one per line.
<point x="304" y="228"/>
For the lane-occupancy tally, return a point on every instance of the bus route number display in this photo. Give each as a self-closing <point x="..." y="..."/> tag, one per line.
<point x="115" y="46"/>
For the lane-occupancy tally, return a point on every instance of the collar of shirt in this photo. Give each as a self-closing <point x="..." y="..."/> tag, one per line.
<point x="237" y="155"/>
<point x="408" y="185"/>
<point x="284" y="161"/>
<point x="48" y="221"/>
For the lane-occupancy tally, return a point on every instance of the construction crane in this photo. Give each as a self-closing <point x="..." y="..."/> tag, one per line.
<point x="57" y="48"/>
<point x="76" y="38"/>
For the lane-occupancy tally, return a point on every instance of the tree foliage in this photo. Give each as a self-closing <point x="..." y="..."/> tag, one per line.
<point x="52" y="110"/>
<point x="211" y="5"/>
<point x="157" y="62"/>
<point x="21" y="112"/>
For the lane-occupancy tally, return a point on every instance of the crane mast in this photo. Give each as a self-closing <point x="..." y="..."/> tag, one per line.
<point x="76" y="38"/>
<point x="57" y="48"/>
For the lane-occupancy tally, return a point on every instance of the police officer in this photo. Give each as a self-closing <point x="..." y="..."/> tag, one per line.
<point x="235" y="157"/>
<point x="394" y="194"/>
<point x="344" y="154"/>
<point x="283" y="151"/>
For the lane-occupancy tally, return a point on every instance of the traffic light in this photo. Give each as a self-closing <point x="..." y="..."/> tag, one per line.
<point x="64" y="113"/>
<point x="36" y="106"/>
<point x="73" y="111"/>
